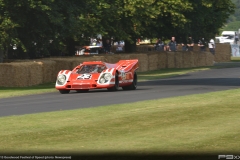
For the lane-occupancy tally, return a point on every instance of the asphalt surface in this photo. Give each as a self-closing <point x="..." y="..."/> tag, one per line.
<point x="193" y="83"/>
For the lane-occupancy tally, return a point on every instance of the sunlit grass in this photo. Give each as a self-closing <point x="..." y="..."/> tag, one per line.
<point x="235" y="59"/>
<point x="197" y="123"/>
<point x="166" y="73"/>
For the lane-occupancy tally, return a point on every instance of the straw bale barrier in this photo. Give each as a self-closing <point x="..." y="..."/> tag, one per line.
<point x="222" y="53"/>
<point x="61" y="64"/>
<point x="153" y="61"/>
<point x="209" y="59"/>
<point x="170" y="59"/>
<point x="179" y="60"/>
<point x="21" y="73"/>
<point x="111" y="58"/>
<point x="188" y="60"/>
<point x="143" y="61"/>
<point x="202" y="58"/>
<point x="196" y="59"/>
<point x="48" y="68"/>
<point x="144" y="48"/>
<point x="162" y="60"/>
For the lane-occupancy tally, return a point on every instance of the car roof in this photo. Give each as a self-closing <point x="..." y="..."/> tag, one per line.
<point x="93" y="62"/>
<point x="89" y="47"/>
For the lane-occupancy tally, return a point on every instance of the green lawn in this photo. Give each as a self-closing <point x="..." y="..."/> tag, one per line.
<point x="197" y="123"/>
<point x="21" y="91"/>
<point x="235" y="59"/>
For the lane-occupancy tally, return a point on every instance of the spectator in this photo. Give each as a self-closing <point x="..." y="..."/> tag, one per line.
<point x="190" y="43"/>
<point x="99" y="42"/>
<point x="172" y="45"/>
<point x="119" y="47"/>
<point x="202" y="45"/>
<point x="211" y="46"/>
<point x="184" y="44"/>
<point x="107" y="46"/>
<point x="159" y="46"/>
<point x="236" y="38"/>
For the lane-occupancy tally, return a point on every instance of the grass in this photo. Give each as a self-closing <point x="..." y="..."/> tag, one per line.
<point x="193" y="124"/>
<point x="166" y="73"/>
<point x="50" y="87"/>
<point x="21" y="91"/>
<point x="235" y="59"/>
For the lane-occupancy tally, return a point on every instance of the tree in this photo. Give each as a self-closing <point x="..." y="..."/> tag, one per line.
<point x="47" y="26"/>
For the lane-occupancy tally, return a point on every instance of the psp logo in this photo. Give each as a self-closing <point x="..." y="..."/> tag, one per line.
<point x="228" y="157"/>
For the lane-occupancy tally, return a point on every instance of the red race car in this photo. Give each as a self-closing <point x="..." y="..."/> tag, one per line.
<point x="97" y="75"/>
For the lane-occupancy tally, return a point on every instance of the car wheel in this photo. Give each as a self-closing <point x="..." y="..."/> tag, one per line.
<point x="133" y="86"/>
<point x="116" y="85"/>
<point x="82" y="90"/>
<point x="64" y="91"/>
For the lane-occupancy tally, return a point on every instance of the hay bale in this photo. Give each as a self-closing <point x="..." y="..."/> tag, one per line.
<point x="48" y="68"/>
<point x="179" y="59"/>
<point x="114" y="58"/>
<point x="142" y="48"/>
<point x="223" y="52"/>
<point x="162" y="60"/>
<point x="35" y="73"/>
<point x="142" y="60"/>
<point x="209" y="59"/>
<point x="171" y="60"/>
<point x="6" y="74"/>
<point x="196" y="48"/>
<point x="153" y="61"/>
<point x="202" y="59"/>
<point x="222" y="58"/>
<point x="188" y="60"/>
<point x="21" y="74"/>
<point x="223" y="48"/>
<point x="196" y="59"/>
<point x="62" y="64"/>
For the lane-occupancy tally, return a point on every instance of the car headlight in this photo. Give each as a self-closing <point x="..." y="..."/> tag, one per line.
<point x="107" y="76"/>
<point x="102" y="80"/>
<point x="61" y="79"/>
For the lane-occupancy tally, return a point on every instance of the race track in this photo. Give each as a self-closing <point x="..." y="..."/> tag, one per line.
<point x="193" y="83"/>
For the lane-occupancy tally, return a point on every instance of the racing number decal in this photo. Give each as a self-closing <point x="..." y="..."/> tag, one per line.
<point x="84" y="76"/>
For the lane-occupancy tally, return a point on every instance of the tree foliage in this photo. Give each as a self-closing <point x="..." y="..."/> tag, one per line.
<point x="53" y="26"/>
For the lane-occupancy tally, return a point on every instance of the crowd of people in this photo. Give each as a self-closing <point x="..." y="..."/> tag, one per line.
<point x="172" y="45"/>
<point x="106" y="45"/>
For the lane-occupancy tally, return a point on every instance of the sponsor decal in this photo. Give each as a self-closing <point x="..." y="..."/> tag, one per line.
<point x="123" y="74"/>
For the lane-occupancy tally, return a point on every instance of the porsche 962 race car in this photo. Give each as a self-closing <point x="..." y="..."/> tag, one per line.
<point x="97" y="75"/>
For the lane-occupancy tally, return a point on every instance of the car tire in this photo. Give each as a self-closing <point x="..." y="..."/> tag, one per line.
<point x="64" y="91"/>
<point x="116" y="85"/>
<point x="133" y="86"/>
<point x="82" y="90"/>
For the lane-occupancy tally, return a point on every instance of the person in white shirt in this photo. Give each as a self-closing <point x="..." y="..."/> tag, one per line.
<point x="211" y="46"/>
<point x="99" y="43"/>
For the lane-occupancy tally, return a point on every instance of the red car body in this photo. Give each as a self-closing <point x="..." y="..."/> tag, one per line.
<point x="97" y="75"/>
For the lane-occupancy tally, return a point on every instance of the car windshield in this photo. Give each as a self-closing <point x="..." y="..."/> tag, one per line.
<point x="229" y="36"/>
<point x="91" y="69"/>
